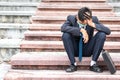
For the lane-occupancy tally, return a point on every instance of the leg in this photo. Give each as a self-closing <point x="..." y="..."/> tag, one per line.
<point x="95" y="45"/>
<point x="99" y="43"/>
<point x="71" y="46"/>
<point x="94" y="48"/>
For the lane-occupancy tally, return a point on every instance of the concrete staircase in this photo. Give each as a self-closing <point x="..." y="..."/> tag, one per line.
<point x="14" y="21"/>
<point x="42" y="48"/>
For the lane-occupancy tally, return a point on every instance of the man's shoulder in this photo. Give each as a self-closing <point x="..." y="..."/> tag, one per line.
<point x="71" y="16"/>
<point x="95" y="19"/>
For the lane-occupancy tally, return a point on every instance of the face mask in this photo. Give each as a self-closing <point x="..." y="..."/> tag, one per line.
<point x="81" y="24"/>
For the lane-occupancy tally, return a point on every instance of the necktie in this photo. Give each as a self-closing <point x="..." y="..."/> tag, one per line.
<point x="81" y="41"/>
<point x="80" y="48"/>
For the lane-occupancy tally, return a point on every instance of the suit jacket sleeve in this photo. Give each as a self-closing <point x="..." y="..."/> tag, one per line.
<point x="101" y="27"/>
<point x="69" y="27"/>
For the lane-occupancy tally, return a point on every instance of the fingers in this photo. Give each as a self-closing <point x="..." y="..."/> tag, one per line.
<point x="87" y="15"/>
<point x="85" y="35"/>
<point x="91" y="23"/>
<point x="90" y="20"/>
<point x="85" y="39"/>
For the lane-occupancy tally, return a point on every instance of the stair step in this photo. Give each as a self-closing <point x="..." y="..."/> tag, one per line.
<point x="58" y="46"/>
<point x="75" y="10"/>
<point x="54" y="60"/>
<point x="102" y="1"/>
<point x="16" y="13"/>
<point x="61" y="13"/>
<point x="68" y="7"/>
<point x="25" y="1"/>
<point x="56" y="20"/>
<point x="11" y="26"/>
<point x="15" y="19"/>
<point x="56" y="35"/>
<point x="62" y="4"/>
<point x="18" y="6"/>
<point x="45" y="27"/>
<point x="34" y="4"/>
<point x="43" y="35"/>
<point x="10" y="43"/>
<point x="56" y="27"/>
<point x="64" y="18"/>
<point x="59" y="75"/>
<point x="8" y="29"/>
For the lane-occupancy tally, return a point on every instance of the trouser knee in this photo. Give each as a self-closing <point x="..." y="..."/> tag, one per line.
<point x="101" y="35"/>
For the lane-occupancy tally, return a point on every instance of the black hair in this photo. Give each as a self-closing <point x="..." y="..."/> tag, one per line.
<point x="84" y="13"/>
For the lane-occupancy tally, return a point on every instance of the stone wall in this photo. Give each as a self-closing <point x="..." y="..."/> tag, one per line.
<point x="14" y="21"/>
<point x="116" y="5"/>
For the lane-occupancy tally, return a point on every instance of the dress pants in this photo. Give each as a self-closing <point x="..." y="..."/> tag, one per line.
<point x="92" y="48"/>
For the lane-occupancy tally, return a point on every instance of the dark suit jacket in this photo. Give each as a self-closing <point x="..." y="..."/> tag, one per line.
<point x="71" y="26"/>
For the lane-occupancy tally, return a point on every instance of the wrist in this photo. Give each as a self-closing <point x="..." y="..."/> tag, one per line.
<point x="93" y="25"/>
<point x="81" y="30"/>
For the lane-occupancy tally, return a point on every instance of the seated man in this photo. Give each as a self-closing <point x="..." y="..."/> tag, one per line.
<point x="79" y="39"/>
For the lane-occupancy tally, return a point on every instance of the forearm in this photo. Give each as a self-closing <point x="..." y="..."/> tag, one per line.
<point x="101" y="27"/>
<point x="72" y="30"/>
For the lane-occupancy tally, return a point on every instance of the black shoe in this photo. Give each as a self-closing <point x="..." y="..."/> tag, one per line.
<point x="96" y="68"/>
<point x="71" y="68"/>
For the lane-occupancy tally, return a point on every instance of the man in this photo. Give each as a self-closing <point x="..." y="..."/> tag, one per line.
<point x="82" y="26"/>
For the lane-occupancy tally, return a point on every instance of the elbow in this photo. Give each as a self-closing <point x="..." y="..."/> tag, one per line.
<point x="109" y="32"/>
<point x="62" y="29"/>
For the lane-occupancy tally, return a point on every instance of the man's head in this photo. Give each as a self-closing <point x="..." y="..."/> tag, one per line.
<point x="84" y="14"/>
